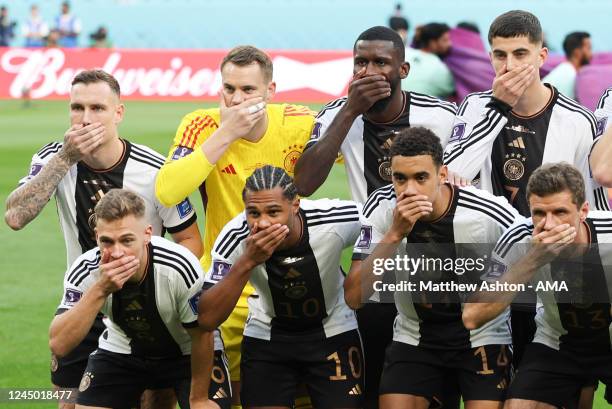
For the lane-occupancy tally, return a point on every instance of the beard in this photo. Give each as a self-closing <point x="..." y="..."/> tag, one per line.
<point x="382" y="104"/>
<point x="585" y="61"/>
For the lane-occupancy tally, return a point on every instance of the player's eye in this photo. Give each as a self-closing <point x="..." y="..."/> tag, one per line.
<point x="273" y="213"/>
<point x="229" y="90"/>
<point x="253" y="213"/>
<point x="381" y="63"/>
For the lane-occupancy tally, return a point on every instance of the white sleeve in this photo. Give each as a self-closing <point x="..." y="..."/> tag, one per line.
<point x="322" y="121"/>
<point x="474" y="131"/>
<point x="187" y="298"/>
<point x="176" y="218"/>
<point x="373" y="228"/>
<point x="228" y="247"/>
<point x="78" y="279"/>
<point x="39" y="160"/>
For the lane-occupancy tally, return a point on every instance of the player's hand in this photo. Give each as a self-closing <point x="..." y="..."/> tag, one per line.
<point x="548" y="244"/>
<point x="509" y="86"/>
<point x="408" y="210"/>
<point x="239" y="120"/>
<point x="114" y="273"/>
<point x="364" y="91"/>
<point x="80" y="140"/>
<point x="203" y="404"/>
<point x="457" y="180"/>
<point x="261" y="243"/>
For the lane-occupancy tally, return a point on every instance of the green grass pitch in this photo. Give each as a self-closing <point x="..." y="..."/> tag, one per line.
<point x="33" y="260"/>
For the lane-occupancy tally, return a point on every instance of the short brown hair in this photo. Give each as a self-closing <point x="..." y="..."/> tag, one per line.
<point x="555" y="178"/>
<point x="94" y="76"/>
<point x="244" y="55"/>
<point x="119" y="203"/>
<point x="516" y="23"/>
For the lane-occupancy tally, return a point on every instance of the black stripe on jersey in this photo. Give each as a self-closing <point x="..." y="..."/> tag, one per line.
<point x="179" y="259"/>
<point x="465" y="102"/>
<point x="318" y="213"/>
<point x="489" y="204"/>
<point x="331" y="105"/>
<point x="147" y="160"/>
<point x="570" y="105"/>
<point x="172" y="263"/>
<point x="601" y="199"/>
<point x="147" y="155"/>
<point x="383" y="193"/>
<point x="511" y="237"/>
<point x="231" y="235"/>
<point x="333" y="221"/>
<point x="82" y="270"/>
<point x="602" y="99"/>
<point x="48" y="149"/>
<point x="426" y="101"/>
<point x="482" y="129"/>
<point x="602" y="225"/>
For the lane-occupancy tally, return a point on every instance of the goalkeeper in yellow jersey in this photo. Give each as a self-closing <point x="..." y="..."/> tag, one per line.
<point x="215" y="150"/>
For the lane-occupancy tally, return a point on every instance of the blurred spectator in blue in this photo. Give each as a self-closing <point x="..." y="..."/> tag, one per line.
<point x="428" y="74"/>
<point x="7" y="28"/>
<point x="579" y="52"/>
<point x="399" y="23"/>
<point x="35" y="29"/>
<point x="69" y="27"/>
<point x="99" y="38"/>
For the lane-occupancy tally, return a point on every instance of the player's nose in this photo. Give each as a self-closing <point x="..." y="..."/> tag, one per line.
<point x="264" y="223"/>
<point x="237" y="98"/>
<point x="550" y="222"/>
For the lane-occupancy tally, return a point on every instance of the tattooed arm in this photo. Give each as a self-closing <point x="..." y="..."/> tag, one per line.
<point x="27" y="201"/>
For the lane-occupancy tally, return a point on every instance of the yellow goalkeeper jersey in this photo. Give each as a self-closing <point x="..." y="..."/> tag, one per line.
<point x="187" y="168"/>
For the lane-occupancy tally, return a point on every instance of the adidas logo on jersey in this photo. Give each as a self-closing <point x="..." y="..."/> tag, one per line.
<point x="220" y="394"/>
<point x="356" y="390"/>
<point x="134" y="306"/>
<point x="517" y="143"/>
<point x="229" y="169"/>
<point x="292" y="273"/>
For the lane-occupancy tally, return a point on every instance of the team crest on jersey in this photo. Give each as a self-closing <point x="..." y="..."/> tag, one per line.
<point x="601" y="125"/>
<point x="184" y="208"/>
<point x="85" y="381"/>
<point x="365" y="237"/>
<point x="458" y="132"/>
<point x="180" y="152"/>
<point x="220" y="270"/>
<point x="193" y="302"/>
<point x="71" y="296"/>
<point x="35" y="169"/>
<point x="292" y="154"/>
<point x="514" y="167"/>
<point x="384" y="169"/>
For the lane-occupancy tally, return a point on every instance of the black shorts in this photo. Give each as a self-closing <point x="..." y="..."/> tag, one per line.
<point x="556" y="377"/>
<point x="117" y="380"/>
<point x="331" y="369"/>
<point x="67" y="372"/>
<point x="376" y="327"/>
<point x="481" y="373"/>
<point x="522" y="321"/>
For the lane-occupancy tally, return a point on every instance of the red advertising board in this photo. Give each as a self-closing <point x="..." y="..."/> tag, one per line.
<point x="304" y="76"/>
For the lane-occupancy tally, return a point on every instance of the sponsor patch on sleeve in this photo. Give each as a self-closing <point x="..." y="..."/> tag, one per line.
<point x="316" y="131"/>
<point x="219" y="270"/>
<point x="458" y="132"/>
<point x="71" y="296"/>
<point x="193" y="302"/>
<point x="496" y="270"/>
<point x="601" y="125"/>
<point x="365" y="237"/>
<point x="180" y="152"/>
<point x="184" y="208"/>
<point x="35" y="169"/>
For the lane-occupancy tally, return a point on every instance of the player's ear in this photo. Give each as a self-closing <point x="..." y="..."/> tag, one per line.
<point x="543" y="56"/>
<point x="271" y="90"/>
<point x="295" y="206"/>
<point x="404" y="69"/>
<point x="148" y="234"/>
<point x="443" y="173"/>
<point x="119" y="112"/>
<point x="584" y="210"/>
